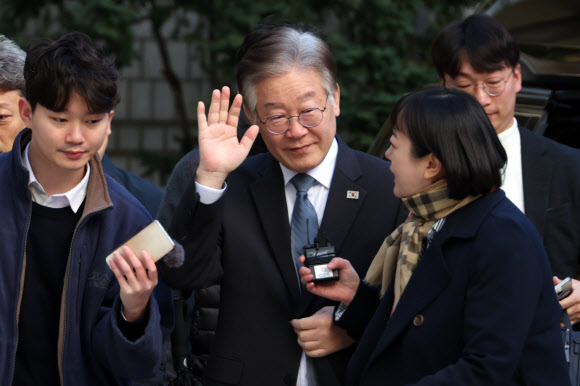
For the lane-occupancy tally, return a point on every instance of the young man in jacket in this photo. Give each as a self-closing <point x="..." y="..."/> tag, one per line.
<point x="66" y="317"/>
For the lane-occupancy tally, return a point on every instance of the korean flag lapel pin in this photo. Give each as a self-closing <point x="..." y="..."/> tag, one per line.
<point x="352" y="194"/>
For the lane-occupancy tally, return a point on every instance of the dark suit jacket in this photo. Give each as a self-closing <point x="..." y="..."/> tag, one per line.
<point x="148" y="194"/>
<point x="246" y="237"/>
<point x="551" y="178"/>
<point x="479" y="309"/>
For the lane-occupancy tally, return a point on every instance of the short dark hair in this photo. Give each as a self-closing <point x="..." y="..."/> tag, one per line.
<point x="452" y="125"/>
<point x="274" y="50"/>
<point x="480" y="39"/>
<point x="55" y="69"/>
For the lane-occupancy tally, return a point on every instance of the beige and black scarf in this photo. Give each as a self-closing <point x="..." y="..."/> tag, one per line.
<point x="400" y="252"/>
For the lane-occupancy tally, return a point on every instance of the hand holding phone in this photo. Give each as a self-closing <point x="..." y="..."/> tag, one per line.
<point x="153" y="239"/>
<point x="564" y="288"/>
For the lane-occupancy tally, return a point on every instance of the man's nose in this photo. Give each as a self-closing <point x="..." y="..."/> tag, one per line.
<point x="296" y="128"/>
<point x="482" y="97"/>
<point x="75" y="133"/>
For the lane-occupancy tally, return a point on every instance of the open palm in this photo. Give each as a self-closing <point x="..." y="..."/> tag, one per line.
<point x="220" y="150"/>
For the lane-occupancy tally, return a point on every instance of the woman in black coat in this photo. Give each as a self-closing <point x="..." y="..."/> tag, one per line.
<point x="461" y="293"/>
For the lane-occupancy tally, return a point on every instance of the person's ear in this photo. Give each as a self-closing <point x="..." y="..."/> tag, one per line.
<point x="442" y="82"/>
<point x="518" y="77"/>
<point x="25" y="110"/>
<point x="336" y="96"/>
<point x="249" y="115"/>
<point x="434" y="170"/>
<point x="111" y="115"/>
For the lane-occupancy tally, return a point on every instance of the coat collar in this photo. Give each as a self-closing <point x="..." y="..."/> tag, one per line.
<point x="432" y="275"/>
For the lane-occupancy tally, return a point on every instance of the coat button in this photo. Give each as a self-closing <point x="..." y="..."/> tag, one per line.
<point x="418" y="320"/>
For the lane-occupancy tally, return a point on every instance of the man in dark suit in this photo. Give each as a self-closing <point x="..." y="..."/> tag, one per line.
<point x="148" y="194"/>
<point x="235" y="221"/>
<point x="542" y="179"/>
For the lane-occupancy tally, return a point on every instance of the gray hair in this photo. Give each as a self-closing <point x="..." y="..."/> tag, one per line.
<point x="280" y="50"/>
<point x="12" y="59"/>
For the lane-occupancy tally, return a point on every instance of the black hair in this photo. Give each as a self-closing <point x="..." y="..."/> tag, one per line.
<point x="480" y="39"/>
<point x="452" y="125"/>
<point x="55" y="69"/>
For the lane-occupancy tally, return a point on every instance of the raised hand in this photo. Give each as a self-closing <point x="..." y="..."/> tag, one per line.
<point x="342" y="290"/>
<point x="136" y="283"/>
<point x="220" y="152"/>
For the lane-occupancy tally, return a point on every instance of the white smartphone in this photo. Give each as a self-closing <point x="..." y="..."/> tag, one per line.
<point x="564" y="288"/>
<point x="153" y="239"/>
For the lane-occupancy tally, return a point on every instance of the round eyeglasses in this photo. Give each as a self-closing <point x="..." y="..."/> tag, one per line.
<point x="279" y="124"/>
<point x="491" y="87"/>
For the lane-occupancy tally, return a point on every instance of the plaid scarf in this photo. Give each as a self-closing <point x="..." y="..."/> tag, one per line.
<point x="399" y="254"/>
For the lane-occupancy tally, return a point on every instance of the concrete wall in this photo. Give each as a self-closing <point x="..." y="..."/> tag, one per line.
<point x="146" y="118"/>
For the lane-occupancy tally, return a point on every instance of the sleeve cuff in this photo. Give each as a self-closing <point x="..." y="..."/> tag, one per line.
<point x="133" y="330"/>
<point x="355" y="318"/>
<point x="339" y="311"/>
<point x="209" y="195"/>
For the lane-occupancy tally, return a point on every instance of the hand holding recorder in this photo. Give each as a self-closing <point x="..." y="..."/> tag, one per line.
<point x="568" y="291"/>
<point x="342" y="290"/>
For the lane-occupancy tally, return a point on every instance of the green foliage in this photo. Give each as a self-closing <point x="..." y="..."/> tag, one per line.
<point x="107" y="21"/>
<point x="382" y="47"/>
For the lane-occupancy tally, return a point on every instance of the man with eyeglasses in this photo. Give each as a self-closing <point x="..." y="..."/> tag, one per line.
<point x="246" y="221"/>
<point x="479" y="56"/>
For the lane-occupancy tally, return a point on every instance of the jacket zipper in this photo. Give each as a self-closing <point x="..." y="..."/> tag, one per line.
<point x="64" y="300"/>
<point x="22" y="275"/>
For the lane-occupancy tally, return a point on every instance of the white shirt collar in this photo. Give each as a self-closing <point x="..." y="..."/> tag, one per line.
<point x="323" y="172"/>
<point x="73" y="198"/>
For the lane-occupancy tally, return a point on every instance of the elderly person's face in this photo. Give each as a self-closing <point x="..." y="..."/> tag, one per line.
<point x="10" y="122"/>
<point x="300" y="148"/>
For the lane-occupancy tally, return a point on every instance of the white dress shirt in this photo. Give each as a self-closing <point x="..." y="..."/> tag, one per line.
<point x="73" y="198"/>
<point x="513" y="185"/>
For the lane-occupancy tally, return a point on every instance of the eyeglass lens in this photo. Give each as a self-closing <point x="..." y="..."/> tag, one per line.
<point x="308" y="118"/>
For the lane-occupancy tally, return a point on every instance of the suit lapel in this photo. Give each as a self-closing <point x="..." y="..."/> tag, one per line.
<point x="270" y="202"/>
<point x="340" y="211"/>
<point x="536" y="176"/>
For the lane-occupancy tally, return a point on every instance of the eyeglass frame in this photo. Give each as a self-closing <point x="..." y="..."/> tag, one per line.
<point x="265" y="123"/>
<point x="485" y="88"/>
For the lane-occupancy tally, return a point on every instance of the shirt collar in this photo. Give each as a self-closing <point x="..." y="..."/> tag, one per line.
<point x="73" y="198"/>
<point x="323" y="172"/>
<point x="509" y="132"/>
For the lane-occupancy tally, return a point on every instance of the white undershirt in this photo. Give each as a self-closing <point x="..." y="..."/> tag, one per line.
<point x="317" y="194"/>
<point x="73" y="198"/>
<point x="513" y="185"/>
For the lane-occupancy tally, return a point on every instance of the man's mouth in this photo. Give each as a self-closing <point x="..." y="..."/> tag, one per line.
<point x="74" y="154"/>
<point x="300" y="149"/>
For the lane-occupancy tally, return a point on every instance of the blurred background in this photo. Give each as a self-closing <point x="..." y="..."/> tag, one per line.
<point x="172" y="53"/>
